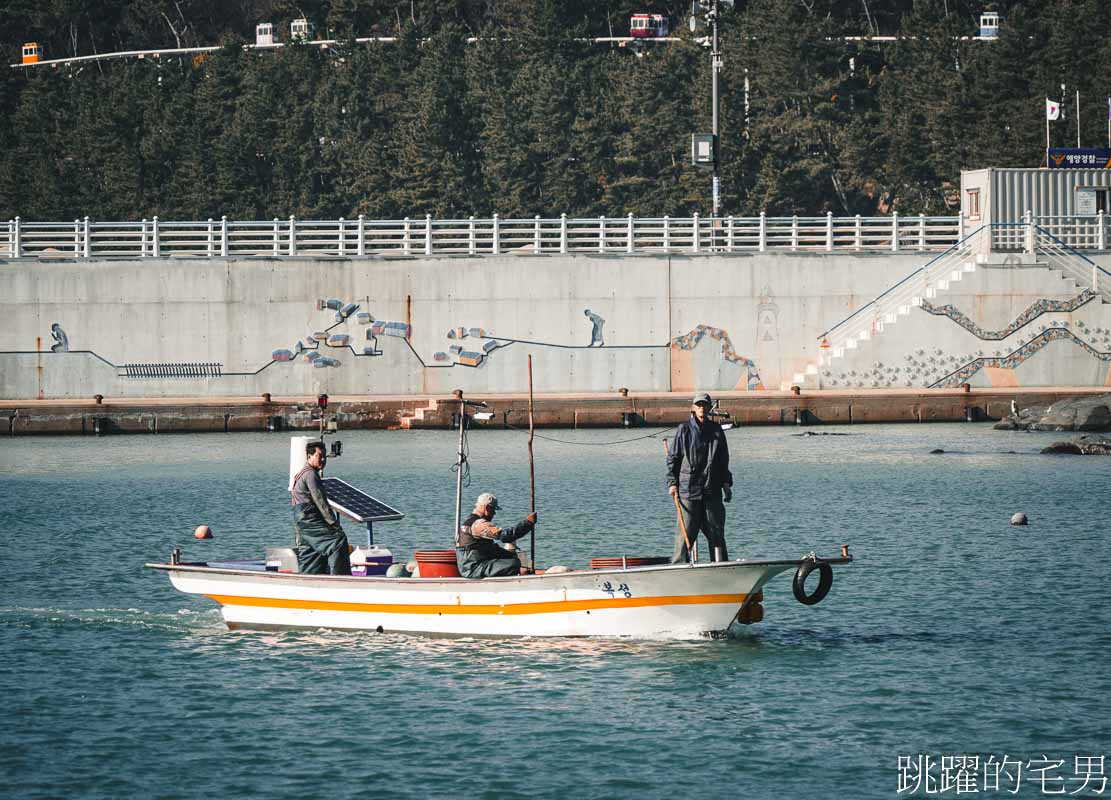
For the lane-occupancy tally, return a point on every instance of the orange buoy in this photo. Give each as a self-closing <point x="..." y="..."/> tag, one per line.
<point x="202" y="532"/>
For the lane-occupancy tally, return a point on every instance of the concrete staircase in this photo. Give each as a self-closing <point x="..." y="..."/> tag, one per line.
<point x="885" y="311"/>
<point x="410" y="421"/>
<point x="967" y="256"/>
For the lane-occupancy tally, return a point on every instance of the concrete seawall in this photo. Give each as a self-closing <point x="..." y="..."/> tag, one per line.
<point x="417" y="326"/>
<point x="181" y="415"/>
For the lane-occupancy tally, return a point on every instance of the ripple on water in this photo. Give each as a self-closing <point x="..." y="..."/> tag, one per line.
<point x="953" y="632"/>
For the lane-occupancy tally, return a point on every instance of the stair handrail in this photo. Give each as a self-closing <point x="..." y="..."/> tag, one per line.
<point x="1059" y="253"/>
<point x="1068" y="248"/>
<point x="951" y="250"/>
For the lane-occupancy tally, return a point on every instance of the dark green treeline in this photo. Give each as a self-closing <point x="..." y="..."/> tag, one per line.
<point x="530" y="119"/>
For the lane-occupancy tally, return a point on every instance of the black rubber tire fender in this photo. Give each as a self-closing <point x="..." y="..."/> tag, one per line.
<point x="825" y="582"/>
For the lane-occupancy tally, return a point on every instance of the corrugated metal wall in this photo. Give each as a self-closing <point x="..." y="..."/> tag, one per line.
<point x="1046" y="192"/>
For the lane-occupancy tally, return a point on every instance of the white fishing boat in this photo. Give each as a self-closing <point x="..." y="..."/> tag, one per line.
<point x="617" y="596"/>
<point x="655" y="601"/>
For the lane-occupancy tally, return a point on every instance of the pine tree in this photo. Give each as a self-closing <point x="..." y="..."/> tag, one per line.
<point x="437" y="163"/>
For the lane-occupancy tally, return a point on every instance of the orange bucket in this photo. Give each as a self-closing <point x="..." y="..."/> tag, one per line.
<point x="437" y="563"/>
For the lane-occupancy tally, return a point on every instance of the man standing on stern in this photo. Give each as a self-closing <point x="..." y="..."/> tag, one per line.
<point x="698" y="475"/>
<point x="322" y="547"/>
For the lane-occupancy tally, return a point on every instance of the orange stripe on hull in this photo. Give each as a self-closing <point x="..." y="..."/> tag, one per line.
<point x="553" y="607"/>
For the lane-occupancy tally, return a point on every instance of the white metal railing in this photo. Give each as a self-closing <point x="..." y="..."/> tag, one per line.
<point x="1089" y="232"/>
<point x="222" y="238"/>
<point x="1060" y="255"/>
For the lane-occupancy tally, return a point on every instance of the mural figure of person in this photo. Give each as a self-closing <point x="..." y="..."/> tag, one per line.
<point x="61" y="341"/>
<point x="596" y="331"/>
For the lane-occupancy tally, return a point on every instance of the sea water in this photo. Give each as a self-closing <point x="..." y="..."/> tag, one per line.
<point x="952" y="636"/>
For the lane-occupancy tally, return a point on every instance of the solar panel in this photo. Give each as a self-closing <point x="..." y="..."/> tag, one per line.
<point x="357" y="504"/>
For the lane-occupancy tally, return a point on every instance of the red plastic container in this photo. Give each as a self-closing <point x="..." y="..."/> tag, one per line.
<point x="437" y="563"/>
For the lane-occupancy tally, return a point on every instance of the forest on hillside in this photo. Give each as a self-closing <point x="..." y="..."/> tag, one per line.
<point x="530" y="117"/>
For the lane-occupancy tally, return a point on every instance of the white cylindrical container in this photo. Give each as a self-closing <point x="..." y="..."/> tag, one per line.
<point x="297" y="445"/>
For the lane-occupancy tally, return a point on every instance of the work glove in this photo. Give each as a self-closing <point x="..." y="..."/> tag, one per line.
<point x="727" y="493"/>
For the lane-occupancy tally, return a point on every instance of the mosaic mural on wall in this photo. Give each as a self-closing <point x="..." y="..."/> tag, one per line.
<point x="1043" y="306"/>
<point x="307" y="350"/>
<point x="936" y="369"/>
<point x="470" y="347"/>
<point x="1012" y="360"/>
<point x="468" y="355"/>
<point x="690" y="340"/>
<point x="476" y="355"/>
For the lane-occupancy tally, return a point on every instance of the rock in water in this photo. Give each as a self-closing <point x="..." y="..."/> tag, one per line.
<point x="936" y="451"/>
<point x="1018" y="519"/>
<point x="1021" y="420"/>
<point x="1063" y="449"/>
<point x="1088" y="413"/>
<point x="1087" y="445"/>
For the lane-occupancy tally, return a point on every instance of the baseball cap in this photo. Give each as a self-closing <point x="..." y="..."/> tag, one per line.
<point x="702" y="397"/>
<point x="487" y="500"/>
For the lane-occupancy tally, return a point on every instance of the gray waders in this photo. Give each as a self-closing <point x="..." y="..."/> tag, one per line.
<point x="321" y="548"/>
<point x="705" y="516"/>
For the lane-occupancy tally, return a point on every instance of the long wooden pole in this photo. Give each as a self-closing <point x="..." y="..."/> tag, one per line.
<point x="531" y="474"/>
<point x="692" y="554"/>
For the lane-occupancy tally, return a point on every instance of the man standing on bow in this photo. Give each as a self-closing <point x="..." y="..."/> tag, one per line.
<point x="698" y="475"/>
<point x="322" y="547"/>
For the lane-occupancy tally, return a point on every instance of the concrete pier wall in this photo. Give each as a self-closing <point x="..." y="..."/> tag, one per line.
<point x="148" y="328"/>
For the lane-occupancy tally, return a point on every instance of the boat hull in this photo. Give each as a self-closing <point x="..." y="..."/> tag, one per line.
<point x="669" y="601"/>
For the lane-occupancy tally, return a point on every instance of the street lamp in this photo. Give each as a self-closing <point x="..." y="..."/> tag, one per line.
<point x="710" y="10"/>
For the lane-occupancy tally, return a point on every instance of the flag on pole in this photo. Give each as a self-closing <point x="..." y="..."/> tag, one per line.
<point x="1053" y="109"/>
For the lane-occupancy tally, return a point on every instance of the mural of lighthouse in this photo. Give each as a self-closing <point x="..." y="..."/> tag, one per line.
<point x="767" y="350"/>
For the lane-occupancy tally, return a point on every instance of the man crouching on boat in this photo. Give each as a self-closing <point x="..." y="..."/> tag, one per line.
<point x="321" y="543"/>
<point x="484" y="550"/>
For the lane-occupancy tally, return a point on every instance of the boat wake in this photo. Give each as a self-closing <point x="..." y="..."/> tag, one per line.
<point x="184" y="619"/>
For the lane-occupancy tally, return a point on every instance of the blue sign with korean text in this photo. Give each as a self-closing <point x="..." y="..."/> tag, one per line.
<point x="1080" y="158"/>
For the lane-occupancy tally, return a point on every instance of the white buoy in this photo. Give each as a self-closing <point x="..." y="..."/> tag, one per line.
<point x="1019" y="519"/>
<point x="202" y="532"/>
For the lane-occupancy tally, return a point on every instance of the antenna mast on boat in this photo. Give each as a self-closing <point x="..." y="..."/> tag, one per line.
<point x="461" y="460"/>
<point x="531" y="475"/>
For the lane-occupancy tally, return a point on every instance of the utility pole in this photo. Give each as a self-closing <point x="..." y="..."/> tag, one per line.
<point x="705" y="149"/>
<point x="715" y="68"/>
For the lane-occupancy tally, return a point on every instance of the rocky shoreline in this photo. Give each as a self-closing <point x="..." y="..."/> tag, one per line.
<point x="1087" y="414"/>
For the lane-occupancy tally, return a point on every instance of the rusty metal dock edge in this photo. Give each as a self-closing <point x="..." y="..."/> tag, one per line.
<point x="617" y="410"/>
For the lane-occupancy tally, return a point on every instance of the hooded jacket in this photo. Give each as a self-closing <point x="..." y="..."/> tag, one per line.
<point x="698" y="459"/>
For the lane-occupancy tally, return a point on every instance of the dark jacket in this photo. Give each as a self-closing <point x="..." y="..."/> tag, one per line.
<point x="698" y="459"/>
<point x="488" y="548"/>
